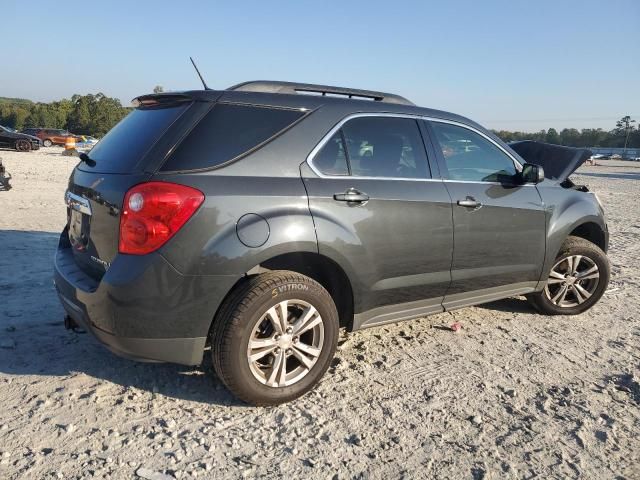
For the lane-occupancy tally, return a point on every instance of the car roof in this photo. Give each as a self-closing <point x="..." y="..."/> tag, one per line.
<point x="308" y="96"/>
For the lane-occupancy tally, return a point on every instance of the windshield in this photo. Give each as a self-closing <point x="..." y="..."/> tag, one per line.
<point x="7" y="129"/>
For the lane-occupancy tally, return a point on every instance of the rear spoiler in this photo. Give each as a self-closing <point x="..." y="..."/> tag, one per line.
<point x="165" y="98"/>
<point x="558" y="161"/>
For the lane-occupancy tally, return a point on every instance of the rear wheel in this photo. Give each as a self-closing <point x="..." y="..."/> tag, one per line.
<point x="23" y="145"/>
<point x="577" y="280"/>
<point x="274" y="337"/>
<point x="47" y="142"/>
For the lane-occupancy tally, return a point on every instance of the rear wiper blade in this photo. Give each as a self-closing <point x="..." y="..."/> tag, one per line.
<point x="89" y="161"/>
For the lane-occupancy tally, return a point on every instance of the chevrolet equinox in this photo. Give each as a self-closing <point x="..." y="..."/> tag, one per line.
<point x="255" y="222"/>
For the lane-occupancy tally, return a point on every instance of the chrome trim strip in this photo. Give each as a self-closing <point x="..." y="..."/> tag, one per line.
<point x="78" y="203"/>
<point x="489" y="183"/>
<point x="339" y="125"/>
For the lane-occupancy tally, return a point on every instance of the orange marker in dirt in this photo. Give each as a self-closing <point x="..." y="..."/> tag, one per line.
<point x="70" y="143"/>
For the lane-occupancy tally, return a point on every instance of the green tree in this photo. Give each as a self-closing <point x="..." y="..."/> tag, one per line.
<point x="569" y="137"/>
<point x="624" y="127"/>
<point x="552" y="136"/>
<point x="158" y="89"/>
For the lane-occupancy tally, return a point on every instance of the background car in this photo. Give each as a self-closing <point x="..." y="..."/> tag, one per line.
<point x="9" y="138"/>
<point x="50" y="136"/>
<point x="86" y="141"/>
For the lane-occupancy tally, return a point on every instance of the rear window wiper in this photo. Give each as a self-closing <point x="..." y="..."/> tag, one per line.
<point x="86" y="159"/>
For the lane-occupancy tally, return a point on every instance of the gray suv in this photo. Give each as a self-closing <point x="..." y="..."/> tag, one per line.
<point x="259" y="220"/>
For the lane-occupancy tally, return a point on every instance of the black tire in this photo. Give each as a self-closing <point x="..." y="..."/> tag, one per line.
<point x="576" y="246"/>
<point x="243" y="310"/>
<point x="23" y="145"/>
<point x="47" y="143"/>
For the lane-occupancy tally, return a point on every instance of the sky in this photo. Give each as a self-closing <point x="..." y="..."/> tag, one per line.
<point x="514" y="65"/>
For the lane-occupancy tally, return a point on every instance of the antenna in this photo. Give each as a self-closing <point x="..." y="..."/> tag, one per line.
<point x="204" y="84"/>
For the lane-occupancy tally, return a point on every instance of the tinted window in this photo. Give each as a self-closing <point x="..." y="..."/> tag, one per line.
<point x="332" y="160"/>
<point x="227" y="132"/>
<point x="471" y="157"/>
<point x="385" y="147"/>
<point x="125" y="144"/>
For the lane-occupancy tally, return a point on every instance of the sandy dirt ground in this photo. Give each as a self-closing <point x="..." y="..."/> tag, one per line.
<point x="512" y="395"/>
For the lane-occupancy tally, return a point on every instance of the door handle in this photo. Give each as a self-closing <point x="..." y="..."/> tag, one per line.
<point x="469" y="202"/>
<point x="351" y="195"/>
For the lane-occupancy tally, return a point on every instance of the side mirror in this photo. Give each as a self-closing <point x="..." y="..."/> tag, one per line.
<point x="532" y="173"/>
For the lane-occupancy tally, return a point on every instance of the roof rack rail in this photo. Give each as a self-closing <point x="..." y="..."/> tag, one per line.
<point x="268" y="86"/>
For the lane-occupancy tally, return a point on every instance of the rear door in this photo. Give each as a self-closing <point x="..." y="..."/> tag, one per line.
<point x="499" y="224"/>
<point x="380" y="214"/>
<point x="60" y="136"/>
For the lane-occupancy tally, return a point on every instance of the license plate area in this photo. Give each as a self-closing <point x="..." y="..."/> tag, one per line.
<point x="79" y="220"/>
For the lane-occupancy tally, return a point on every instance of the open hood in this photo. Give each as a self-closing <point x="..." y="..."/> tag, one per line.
<point x="558" y="162"/>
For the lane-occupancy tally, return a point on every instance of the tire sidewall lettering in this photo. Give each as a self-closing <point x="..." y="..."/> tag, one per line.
<point x="289" y="288"/>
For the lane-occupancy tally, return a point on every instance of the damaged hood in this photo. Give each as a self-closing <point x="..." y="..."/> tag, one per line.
<point x="557" y="161"/>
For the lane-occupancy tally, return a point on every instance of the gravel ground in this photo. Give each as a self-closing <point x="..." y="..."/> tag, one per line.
<point x="511" y="395"/>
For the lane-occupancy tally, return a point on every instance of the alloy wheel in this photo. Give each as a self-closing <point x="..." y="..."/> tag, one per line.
<point x="572" y="281"/>
<point x="285" y="343"/>
<point x="23" y="146"/>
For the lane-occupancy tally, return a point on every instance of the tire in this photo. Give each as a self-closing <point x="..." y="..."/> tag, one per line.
<point x="588" y="257"/>
<point x="244" y="316"/>
<point x="23" y="145"/>
<point x="47" y="143"/>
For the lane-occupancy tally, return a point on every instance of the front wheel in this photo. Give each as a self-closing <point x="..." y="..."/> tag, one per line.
<point x="274" y="337"/>
<point x="23" y="145"/>
<point x="577" y="280"/>
<point x="47" y="142"/>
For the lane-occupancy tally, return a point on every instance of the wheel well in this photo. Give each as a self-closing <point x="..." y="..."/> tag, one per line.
<point x="591" y="232"/>
<point x="324" y="271"/>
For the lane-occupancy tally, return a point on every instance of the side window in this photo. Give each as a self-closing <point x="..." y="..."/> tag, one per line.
<point x="469" y="156"/>
<point x="227" y="132"/>
<point x="385" y="147"/>
<point x="332" y="159"/>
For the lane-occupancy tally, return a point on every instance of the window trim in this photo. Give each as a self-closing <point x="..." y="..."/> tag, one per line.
<point x="305" y="113"/>
<point x="426" y="118"/>
<point x="442" y="162"/>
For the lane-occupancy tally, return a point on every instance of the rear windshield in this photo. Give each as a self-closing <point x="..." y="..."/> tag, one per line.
<point x="227" y="132"/>
<point x="125" y="144"/>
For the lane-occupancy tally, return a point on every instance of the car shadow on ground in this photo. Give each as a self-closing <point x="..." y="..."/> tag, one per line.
<point x="33" y="340"/>
<point x="509" y="305"/>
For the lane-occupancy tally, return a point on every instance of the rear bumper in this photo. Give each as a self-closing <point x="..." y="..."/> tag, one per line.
<point x="142" y="308"/>
<point x="187" y="351"/>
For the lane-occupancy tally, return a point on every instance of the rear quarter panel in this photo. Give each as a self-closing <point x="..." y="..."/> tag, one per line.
<point x="209" y="243"/>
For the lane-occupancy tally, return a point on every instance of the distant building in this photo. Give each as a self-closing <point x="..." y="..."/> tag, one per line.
<point x="628" y="153"/>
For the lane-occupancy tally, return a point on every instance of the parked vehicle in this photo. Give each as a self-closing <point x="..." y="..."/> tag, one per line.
<point x="9" y="138"/>
<point x="259" y="220"/>
<point x="5" y="177"/>
<point x="50" y="136"/>
<point x="87" y="139"/>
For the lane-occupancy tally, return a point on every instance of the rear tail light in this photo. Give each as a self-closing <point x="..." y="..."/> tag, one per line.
<point x="153" y="212"/>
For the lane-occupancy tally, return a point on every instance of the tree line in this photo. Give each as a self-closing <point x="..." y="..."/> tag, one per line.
<point x="81" y="114"/>
<point x="97" y="114"/>
<point x="625" y="133"/>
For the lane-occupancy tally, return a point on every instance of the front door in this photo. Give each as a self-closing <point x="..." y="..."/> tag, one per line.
<point x="381" y="216"/>
<point x="499" y="223"/>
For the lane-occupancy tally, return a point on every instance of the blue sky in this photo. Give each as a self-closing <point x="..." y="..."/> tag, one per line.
<point x="522" y="65"/>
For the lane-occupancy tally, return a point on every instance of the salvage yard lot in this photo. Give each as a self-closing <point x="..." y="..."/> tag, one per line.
<point x="513" y="394"/>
